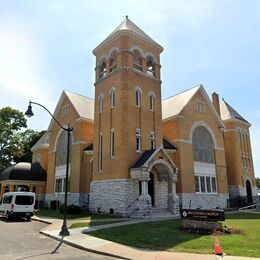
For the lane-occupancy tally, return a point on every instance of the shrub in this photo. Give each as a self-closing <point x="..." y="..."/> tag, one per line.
<point x="71" y="209"/>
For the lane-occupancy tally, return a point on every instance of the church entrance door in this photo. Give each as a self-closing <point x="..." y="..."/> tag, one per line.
<point x="151" y="188"/>
<point x="249" y="192"/>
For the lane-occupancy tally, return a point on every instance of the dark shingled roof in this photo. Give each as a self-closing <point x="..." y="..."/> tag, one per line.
<point x="89" y="148"/>
<point x="24" y="171"/>
<point x="168" y="146"/>
<point x="234" y="113"/>
<point x="145" y="156"/>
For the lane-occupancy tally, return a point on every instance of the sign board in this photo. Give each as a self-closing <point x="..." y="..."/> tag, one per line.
<point x="203" y="215"/>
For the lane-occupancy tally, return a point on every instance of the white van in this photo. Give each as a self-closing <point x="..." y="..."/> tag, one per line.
<point x="17" y="204"/>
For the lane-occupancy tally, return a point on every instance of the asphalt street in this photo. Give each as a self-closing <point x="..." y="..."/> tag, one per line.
<point x="21" y="240"/>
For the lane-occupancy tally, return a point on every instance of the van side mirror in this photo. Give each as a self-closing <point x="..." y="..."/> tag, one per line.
<point x="1" y="201"/>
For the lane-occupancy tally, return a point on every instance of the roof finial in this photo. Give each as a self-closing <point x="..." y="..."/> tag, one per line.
<point x="126" y="17"/>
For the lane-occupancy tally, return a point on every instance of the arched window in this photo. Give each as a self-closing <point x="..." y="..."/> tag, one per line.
<point x="204" y="161"/>
<point x="112" y="143"/>
<point x="100" y="103"/>
<point x="138" y="97"/>
<point x="150" y="67"/>
<point x="102" y="69"/>
<point x="61" y="159"/>
<point x="137" y="58"/>
<point x="113" y="61"/>
<point x="138" y="137"/>
<point x="203" y="146"/>
<point x="100" y="153"/>
<point x="153" y="140"/>
<point x="112" y="98"/>
<point x="61" y="149"/>
<point x="151" y="99"/>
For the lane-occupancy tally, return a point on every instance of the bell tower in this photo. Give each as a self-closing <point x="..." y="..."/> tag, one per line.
<point x="127" y="117"/>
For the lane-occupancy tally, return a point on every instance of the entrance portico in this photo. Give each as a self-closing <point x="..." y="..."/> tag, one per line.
<point x="157" y="174"/>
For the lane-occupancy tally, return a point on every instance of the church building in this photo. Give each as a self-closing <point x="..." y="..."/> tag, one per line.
<point x="134" y="154"/>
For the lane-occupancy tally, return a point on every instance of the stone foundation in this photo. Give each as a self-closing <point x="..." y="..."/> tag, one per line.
<point x="238" y="196"/>
<point x="236" y="191"/>
<point x="196" y="224"/>
<point x="115" y="196"/>
<point x="174" y="204"/>
<point x="79" y="199"/>
<point x="203" y="201"/>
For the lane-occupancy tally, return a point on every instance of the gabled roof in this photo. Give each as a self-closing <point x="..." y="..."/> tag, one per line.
<point x="43" y="142"/>
<point x="175" y="105"/>
<point x="147" y="157"/>
<point x="84" y="106"/>
<point x="168" y="146"/>
<point x="89" y="148"/>
<point x="143" y="159"/>
<point x="24" y="171"/>
<point x="229" y="113"/>
<point x="127" y="26"/>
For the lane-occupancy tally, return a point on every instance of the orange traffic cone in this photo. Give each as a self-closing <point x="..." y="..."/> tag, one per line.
<point x="217" y="248"/>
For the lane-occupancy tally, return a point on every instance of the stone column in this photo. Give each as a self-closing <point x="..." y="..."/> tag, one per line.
<point x="2" y="190"/>
<point x="173" y="198"/>
<point x="11" y="187"/>
<point x="144" y="201"/>
<point x="144" y="65"/>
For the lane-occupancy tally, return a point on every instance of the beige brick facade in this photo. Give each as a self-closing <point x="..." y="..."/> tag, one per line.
<point x="112" y="176"/>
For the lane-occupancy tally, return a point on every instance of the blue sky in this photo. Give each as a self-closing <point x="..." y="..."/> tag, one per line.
<point x="46" y="46"/>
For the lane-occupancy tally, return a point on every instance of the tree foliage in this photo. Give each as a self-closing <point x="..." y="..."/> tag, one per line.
<point x="28" y="138"/>
<point x="258" y="182"/>
<point x="15" y="144"/>
<point x="11" y="121"/>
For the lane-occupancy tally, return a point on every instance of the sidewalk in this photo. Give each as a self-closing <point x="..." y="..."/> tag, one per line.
<point x="79" y="238"/>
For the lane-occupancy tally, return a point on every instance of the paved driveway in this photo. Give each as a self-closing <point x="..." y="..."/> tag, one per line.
<point x="21" y="240"/>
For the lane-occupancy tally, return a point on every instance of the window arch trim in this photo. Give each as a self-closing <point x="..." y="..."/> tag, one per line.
<point x="58" y="136"/>
<point x="138" y="94"/>
<point x="101" y="103"/>
<point x="152" y="97"/>
<point x="112" y="95"/>
<point x="136" y="47"/>
<point x="204" y="124"/>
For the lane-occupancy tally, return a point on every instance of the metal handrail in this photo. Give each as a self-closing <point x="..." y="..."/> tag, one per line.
<point x="250" y="207"/>
<point x="132" y="203"/>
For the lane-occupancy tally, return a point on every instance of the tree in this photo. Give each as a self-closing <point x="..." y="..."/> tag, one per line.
<point x="28" y="138"/>
<point x="258" y="182"/>
<point x="11" y="122"/>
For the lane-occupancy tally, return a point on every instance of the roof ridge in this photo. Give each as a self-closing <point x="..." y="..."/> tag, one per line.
<point x="233" y="112"/>
<point x="128" y="26"/>
<point x="183" y="92"/>
<point x="66" y="91"/>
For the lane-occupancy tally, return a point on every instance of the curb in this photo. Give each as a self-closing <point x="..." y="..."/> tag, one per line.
<point x="82" y="247"/>
<point x="41" y="220"/>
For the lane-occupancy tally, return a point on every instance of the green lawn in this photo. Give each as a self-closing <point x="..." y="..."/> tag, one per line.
<point x="82" y="216"/>
<point x="93" y="223"/>
<point x="165" y="235"/>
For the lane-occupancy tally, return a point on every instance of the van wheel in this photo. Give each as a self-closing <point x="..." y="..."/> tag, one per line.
<point x="28" y="218"/>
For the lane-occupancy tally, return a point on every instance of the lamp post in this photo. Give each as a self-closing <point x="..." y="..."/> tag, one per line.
<point x="64" y="229"/>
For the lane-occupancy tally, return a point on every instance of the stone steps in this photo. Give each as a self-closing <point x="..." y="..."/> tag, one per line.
<point x="160" y="213"/>
<point x="157" y="213"/>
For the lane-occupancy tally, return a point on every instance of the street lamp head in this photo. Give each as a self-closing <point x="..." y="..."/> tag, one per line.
<point x="29" y="112"/>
